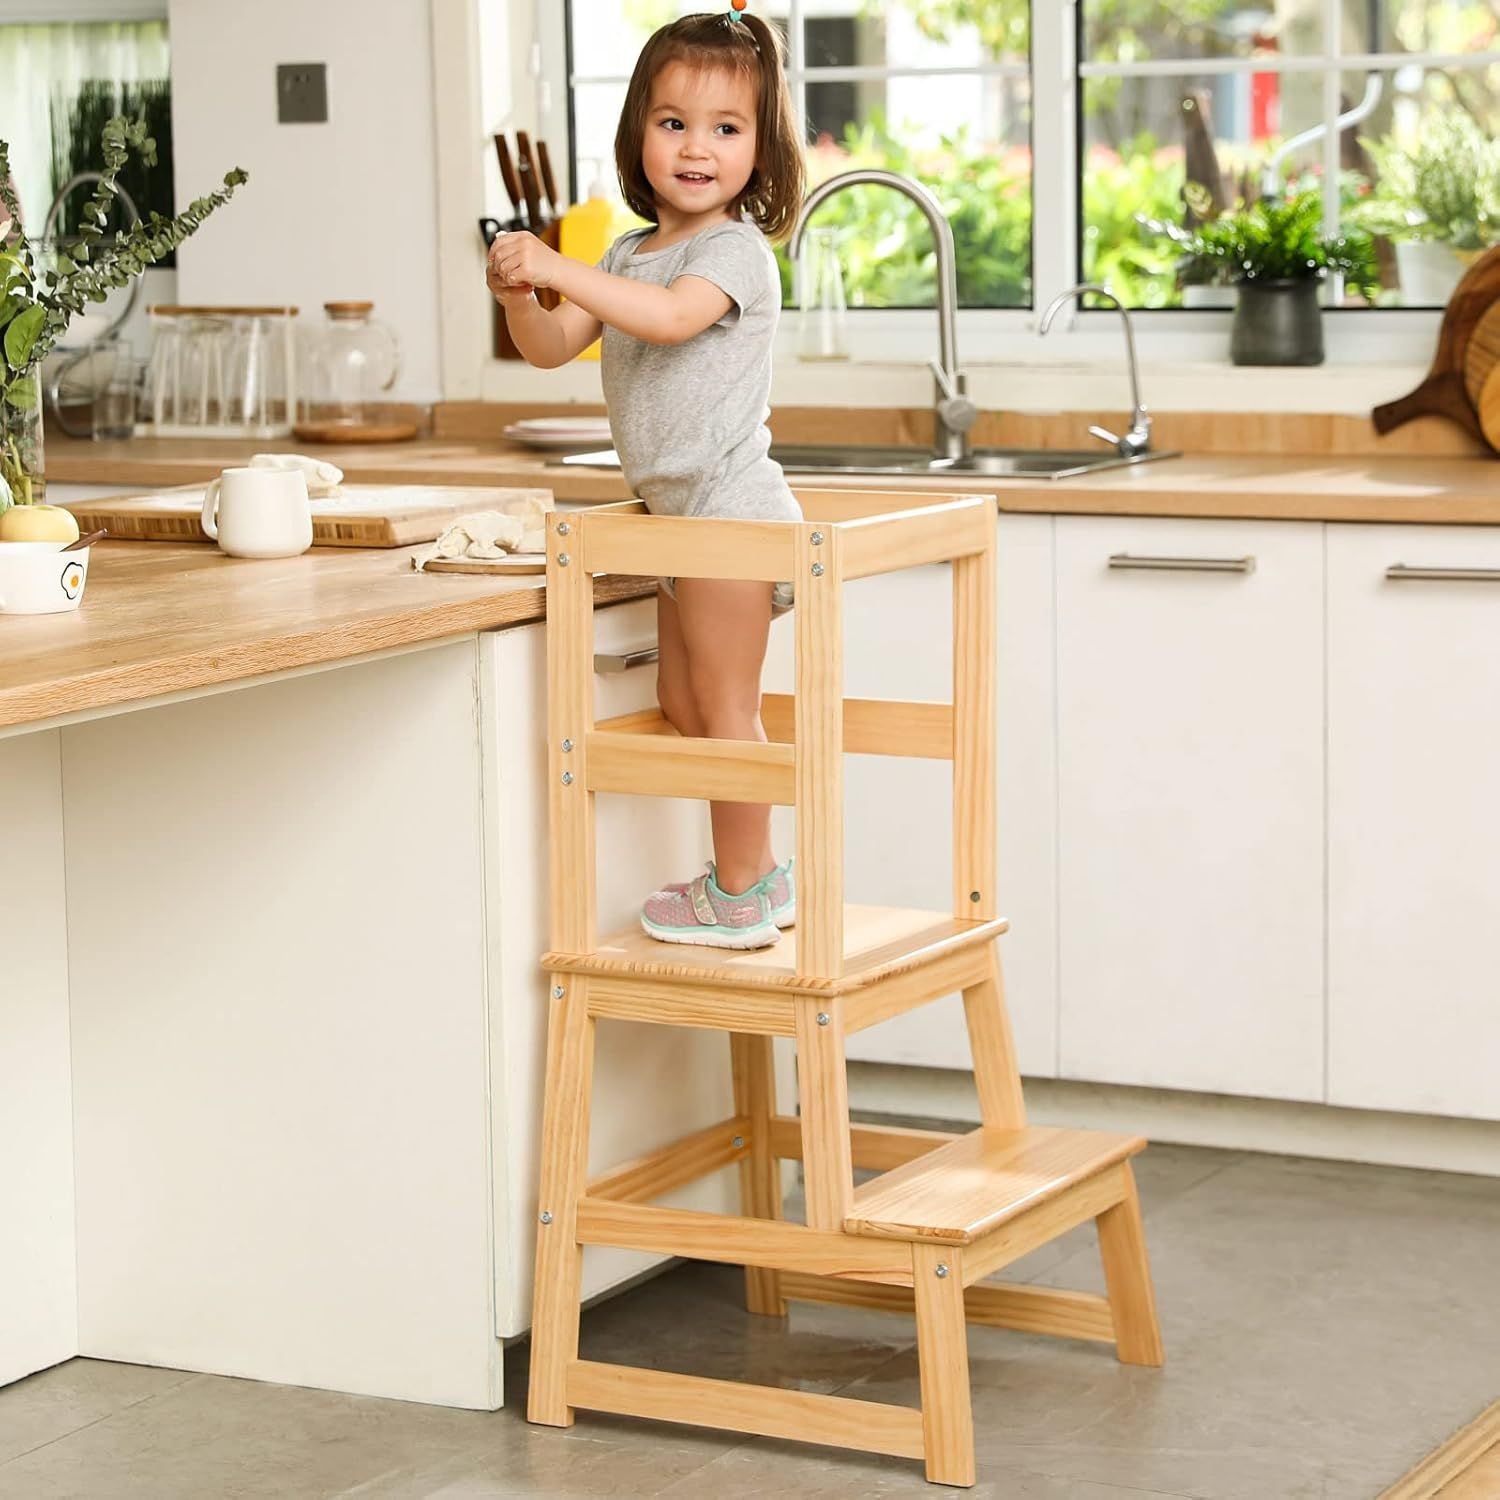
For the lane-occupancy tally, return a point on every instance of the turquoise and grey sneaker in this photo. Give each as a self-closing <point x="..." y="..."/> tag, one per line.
<point x="780" y="887"/>
<point x="702" y="913"/>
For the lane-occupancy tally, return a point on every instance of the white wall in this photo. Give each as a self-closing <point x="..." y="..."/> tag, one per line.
<point x="336" y="211"/>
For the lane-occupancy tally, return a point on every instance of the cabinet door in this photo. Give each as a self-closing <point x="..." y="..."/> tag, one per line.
<point x="1190" y="798"/>
<point x="1413" y="821"/>
<point x="899" y="813"/>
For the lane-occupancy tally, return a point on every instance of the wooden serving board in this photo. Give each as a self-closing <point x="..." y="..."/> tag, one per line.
<point x="360" y="515"/>
<point x="515" y="562"/>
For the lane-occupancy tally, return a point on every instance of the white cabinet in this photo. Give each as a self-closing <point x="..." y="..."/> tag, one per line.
<point x="1190" y="797"/>
<point x="1414" y="821"/>
<point x="899" y="816"/>
<point x="651" y="1083"/>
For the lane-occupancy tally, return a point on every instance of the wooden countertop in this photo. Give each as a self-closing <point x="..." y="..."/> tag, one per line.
<point x="1406" y="488"/>
<point x="159" y="618"/>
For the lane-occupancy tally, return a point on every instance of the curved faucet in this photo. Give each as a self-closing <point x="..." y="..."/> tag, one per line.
<point x="954" y="412"/>
<point x="1138" y="439"/>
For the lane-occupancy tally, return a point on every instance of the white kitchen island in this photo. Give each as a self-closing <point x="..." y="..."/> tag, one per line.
<point x="271" y="1023"/>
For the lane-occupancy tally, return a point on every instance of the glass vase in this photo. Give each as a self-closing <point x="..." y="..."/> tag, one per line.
<point x="21" y="458"/>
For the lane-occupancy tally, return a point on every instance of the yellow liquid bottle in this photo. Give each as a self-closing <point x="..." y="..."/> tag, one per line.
<point x="585" y="235"/>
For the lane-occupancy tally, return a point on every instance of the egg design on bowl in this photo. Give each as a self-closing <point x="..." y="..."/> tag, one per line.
<point x="72" y="580"/>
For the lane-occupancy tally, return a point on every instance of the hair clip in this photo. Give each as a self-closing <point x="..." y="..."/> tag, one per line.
<point x="735" y="7"/>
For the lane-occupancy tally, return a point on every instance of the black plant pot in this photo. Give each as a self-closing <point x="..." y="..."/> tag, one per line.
<point x="1277" y="323"/>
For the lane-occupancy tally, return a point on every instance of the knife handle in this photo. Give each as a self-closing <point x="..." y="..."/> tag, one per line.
<point x="508" y="175"/>
<point x="527" y="165"/>
<point x="549" y="184"/>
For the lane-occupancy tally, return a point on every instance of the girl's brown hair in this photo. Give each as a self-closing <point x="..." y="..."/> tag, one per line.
<point x="746" y="45"/>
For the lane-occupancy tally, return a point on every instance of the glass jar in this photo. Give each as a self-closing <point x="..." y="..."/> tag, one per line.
<point x="355" y="360"/>
<point x="823" y="331"/>
<point x="22" y="464"/>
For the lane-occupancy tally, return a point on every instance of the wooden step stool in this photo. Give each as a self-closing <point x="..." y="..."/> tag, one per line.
<point x="948" y="1210"/>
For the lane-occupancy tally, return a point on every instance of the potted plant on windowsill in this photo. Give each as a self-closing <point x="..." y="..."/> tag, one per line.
<point x="1276" y="255"/>
<point x="42" y="288"/>
<point x="1203" y="267"/>
<point x="1438" y="203"/>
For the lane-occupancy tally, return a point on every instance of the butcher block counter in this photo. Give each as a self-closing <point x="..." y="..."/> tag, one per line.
<point x="1382" y="487"/>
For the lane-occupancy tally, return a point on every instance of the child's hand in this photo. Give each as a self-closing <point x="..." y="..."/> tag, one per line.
<point x="520" y="260"/>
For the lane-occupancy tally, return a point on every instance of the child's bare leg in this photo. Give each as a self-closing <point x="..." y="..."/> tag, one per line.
<point x="724" y="626"/>
<point x="674" y="688"/>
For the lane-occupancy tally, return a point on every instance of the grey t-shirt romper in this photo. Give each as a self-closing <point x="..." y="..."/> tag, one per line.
<point x="689" y="419"/>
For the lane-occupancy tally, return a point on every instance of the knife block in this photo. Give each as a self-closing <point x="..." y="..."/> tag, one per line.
<point x="504" y="346"/>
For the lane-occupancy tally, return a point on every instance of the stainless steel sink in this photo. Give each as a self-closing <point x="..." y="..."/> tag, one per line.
<point x="988" y="463"/>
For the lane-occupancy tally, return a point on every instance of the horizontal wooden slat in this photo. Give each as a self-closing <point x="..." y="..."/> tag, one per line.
<point x="643" y="721"/>
<point x="741" y="1242"/>
<point x="874" y="726"/>
<point x="1025" y="1309"/>
<point x="760" y="1013"/>
<point x="874" y="1148"/>
<point x="938" y="533"/>
<point x="659" y="1172"/>
<point x="838" y="505"/>
<point x="656" y="765"/>
<point x="970" y="1187"/>
<point x="800" y="1416"/>
<point x="1085" y="1201"/>
<point x="903" y="992"/>
<point x="685" y="546"/>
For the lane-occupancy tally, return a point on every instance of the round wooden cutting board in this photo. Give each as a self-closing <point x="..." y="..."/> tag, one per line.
<point x="1489" y="409"/>
<point x="1483" y="353"/>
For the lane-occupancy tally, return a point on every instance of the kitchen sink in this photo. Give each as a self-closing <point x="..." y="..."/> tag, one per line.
<point x="987" y="463"/>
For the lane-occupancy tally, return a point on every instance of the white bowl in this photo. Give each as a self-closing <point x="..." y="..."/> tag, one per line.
<point x="35" y="580"/>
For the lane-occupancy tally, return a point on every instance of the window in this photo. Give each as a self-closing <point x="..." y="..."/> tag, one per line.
<point x="1050" y="128"/>
<point x="61" y="81"/>
<point x="912" y="85"/>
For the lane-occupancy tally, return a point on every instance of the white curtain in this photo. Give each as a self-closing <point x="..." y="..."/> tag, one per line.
<point x="38" y="61"/>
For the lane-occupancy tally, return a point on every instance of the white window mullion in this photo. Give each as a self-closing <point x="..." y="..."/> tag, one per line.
<point x="796" y="62"/>
<point x="1054" y="150"/>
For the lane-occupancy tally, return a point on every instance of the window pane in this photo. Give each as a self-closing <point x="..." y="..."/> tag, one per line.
<point x="1428" y="184"/>
<point x="1146" y="137"/>
<point x="967" y="137"/>
<point x="1424" y="26"/>
<point x="608" y="35"/>
<point x="1125" y="31"/>
<point x="932" y="33"/>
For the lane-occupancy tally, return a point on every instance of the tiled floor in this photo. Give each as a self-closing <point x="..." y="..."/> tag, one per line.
<point x="1326" y="1326"/>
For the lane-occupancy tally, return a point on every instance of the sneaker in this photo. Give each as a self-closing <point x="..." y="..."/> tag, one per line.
<point x="702" y="913"/>
<point x="780" y="887"/>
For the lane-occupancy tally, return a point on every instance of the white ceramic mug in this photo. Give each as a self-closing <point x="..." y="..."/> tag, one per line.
<point x="37" y="579"/>
<point x="259" y="512"/>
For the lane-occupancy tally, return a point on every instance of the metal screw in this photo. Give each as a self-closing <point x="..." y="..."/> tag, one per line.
<point x="567" y="778"/>
<point x="941" y="1269"/>
<point x="562" y="559"/>
<point x="547" y="1218"/>
<point x="558" y="992"/>
<point x="567" y="747"/>
<point x="974" y="896"/>
<point x="816" y="539"/>
<point x="737" y="1142"/>
<point x="817" y="570"/>
<point x="822" y="1018"/>
<point x="563" y="528"/>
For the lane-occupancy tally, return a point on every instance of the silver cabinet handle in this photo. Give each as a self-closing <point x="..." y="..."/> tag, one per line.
<point x="1397" y="571"/>
<point x="1184" y="564"/>
<point x="623" y="661"/>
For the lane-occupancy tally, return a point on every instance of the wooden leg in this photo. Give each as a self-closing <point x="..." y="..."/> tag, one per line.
<point x="564" y="1167"/>
<point x="823" y="1093"/>
<point x="1127" y="1274"/>
<point x="943" y="1360"/>
<point x="993" y="1051"/>
<point x="760" y="1172"/>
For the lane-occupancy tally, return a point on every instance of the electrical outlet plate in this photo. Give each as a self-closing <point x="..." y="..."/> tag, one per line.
<point x="302" y="93"/>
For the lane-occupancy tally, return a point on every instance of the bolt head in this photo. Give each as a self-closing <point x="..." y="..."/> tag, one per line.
<point x="817" y="570"/>
<point x="567" y="747"/>
<point x="737" y="1142"/>
<point x="941" y="1269"/>
<point x="546" y="1218"/>
<point x="816" y="539"/>
<point x="567" y="778"/>
<point x="974" y="897"/>
<point x="558" y="992"/>
<point x="822" y="1018"/>
<point x="562" y="559"/>
<point x="563" y="528"/>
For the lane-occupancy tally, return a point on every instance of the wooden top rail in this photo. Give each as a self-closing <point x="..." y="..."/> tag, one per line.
<point x="880" y="531"/>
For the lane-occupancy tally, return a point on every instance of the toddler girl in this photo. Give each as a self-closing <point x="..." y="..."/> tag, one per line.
<point x="707" y="150"/>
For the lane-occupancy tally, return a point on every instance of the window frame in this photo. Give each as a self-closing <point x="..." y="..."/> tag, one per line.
<point x="1356" y="338"/>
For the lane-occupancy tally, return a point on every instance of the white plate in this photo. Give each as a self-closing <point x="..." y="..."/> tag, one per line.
<point x="560" y="432"/>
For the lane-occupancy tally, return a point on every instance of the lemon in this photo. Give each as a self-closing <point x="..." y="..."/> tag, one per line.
<point x="37" y="523"/>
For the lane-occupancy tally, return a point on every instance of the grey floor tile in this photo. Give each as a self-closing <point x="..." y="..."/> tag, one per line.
<point x="52" y="1403"/>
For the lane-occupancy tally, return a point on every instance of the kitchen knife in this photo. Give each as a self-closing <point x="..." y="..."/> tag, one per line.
<point x="549" y="186"/>
<point x="508" y="177"/>
<point x="529" y="187"/>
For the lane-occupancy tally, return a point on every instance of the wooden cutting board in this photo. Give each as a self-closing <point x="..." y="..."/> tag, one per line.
<point x="1483" y="353"/>
<point x="1489" y="410"/>
<point x="360" y="515"/>
<point x="496" y="567"/>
